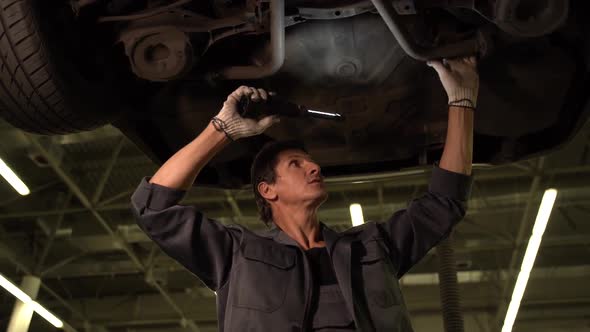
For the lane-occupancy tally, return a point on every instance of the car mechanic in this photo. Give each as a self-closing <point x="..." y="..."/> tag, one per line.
<point x="299" y="275"/>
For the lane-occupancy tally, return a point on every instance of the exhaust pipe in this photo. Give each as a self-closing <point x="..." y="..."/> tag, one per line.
<point x="277" y="43"/>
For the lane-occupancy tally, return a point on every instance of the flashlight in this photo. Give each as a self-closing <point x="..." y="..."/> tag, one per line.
<point x="275" y="105"/>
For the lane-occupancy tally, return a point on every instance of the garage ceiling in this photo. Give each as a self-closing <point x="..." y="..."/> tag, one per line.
<point x="101" y="273"/>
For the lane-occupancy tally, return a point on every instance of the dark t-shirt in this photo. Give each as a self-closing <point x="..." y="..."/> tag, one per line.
<point x="328" y="309"/>
<point x="321" y="266"/>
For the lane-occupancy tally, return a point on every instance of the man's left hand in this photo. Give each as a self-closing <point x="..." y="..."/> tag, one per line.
<point x="460" y="80"/>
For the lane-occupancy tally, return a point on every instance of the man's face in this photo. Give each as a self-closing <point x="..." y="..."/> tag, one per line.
<point x="299" y="179"/>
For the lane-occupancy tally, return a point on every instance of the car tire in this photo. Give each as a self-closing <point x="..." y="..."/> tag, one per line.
<point x="40" y="91"/>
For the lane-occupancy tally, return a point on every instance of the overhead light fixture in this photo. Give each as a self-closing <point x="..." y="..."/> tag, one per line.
<point x="529" y="257"/>
<point x="10" y="287"/>
<point x="13" y="179"/>
<point x="356" y="214"/>
<point x="47" y="315"/>
<point x="38" y="308"/>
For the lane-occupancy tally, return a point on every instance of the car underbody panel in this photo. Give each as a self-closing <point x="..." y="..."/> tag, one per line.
<point x="343" y="57"/>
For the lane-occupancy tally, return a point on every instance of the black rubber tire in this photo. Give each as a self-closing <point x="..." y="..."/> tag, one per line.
<point x="38" y="94"/>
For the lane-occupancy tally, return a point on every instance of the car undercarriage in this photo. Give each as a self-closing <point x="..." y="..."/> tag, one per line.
<point x="164" y="68"/>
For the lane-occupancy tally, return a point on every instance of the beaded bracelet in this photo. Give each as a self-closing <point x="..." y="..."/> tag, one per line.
<point x="455" y="102"/>
<point x="220" y="125"/>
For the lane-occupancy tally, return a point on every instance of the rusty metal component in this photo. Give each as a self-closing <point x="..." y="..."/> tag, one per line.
<point x="466" y="47"/>
<point x="159" y="48"/>
<point x="152" y="58"/>
<point x="77" y="5"/>
<point x="524" y="18"/>
<point x="161" y="56"/>
<point x="404" y="7"/>
<point x="277" y="42"/>
<point x="143" y="14"/>
<point x="330" y="13"/>
<point x="183" y="21"/>
<point x="530" y="18"/>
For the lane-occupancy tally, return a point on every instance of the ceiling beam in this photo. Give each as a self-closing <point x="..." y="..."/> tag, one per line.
<point x="55" y="164"/>
<point x="48" y="244"/>
<point x="524" y="228"/>
<point x="165" y="263"/>
<point x="418" y="287"/>
<point x="26" y="264"/>
<point x="107" y="172"/>
<point x="482" y="175"/>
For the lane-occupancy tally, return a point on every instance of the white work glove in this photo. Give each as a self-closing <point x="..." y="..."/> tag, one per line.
<point x="233" y="124"/>
<point x="460" y="80"/>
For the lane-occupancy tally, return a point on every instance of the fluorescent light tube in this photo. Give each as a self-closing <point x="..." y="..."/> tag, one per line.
<point x="47" y="315"/>
<point x="14" y="290"/>
<point x="356" y="214"/>
<point x="26" y="299"/>
<point x="13" y="179"/>
<point x="529" y="257"/>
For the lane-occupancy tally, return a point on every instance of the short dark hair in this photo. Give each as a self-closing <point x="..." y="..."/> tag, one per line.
<point x="263" y="170"/>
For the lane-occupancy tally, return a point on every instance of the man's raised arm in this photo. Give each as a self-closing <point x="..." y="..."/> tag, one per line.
<point x="461" y="82"/>
<point x="429" y="219"/>
<point x="181" y="170"/>
<point x="204" y="246"/>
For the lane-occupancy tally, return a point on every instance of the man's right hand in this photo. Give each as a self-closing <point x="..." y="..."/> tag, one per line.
<point x="233" y="124"/>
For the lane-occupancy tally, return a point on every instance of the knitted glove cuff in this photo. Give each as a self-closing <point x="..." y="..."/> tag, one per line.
<point x="221" y="125"/>
<point x="463" y="97"/>
<point x="232" y="125"/>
